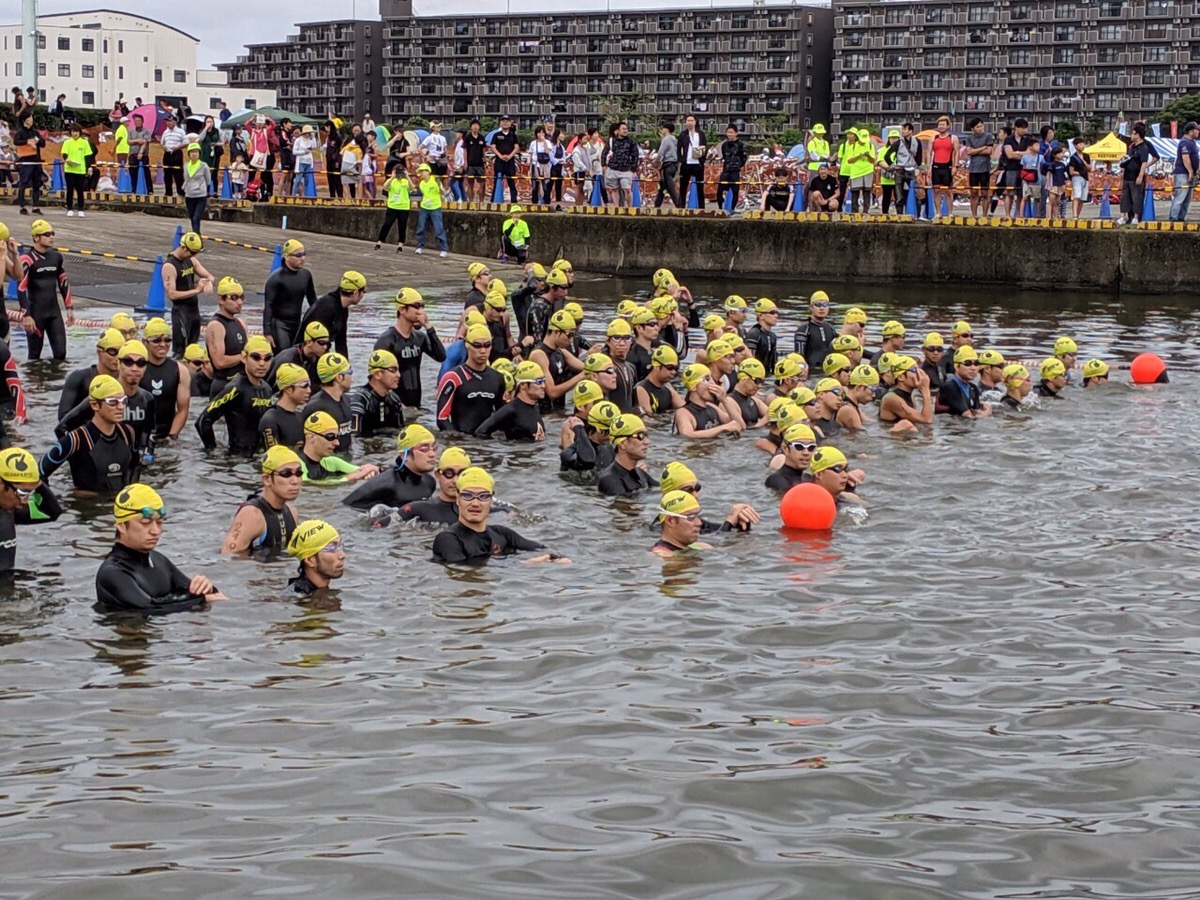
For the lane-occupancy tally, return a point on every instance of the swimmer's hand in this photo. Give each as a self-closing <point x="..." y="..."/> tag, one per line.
<point x="856" y="476"/>
<point x="570" y="423"/>
<point x="742" y="516"/>
<point x="201" y="586"/>
<point x="29" y="325"/>
<point x="549" y="557"/>
<point x="733" y="425"/>
<point x="362" y="473"/>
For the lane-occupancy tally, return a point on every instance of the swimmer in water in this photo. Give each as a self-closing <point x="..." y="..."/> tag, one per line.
<point x="442" y="507"/>
<point x="319" y="456"/>
<point x="1095" y="373"/>
<point x="678" y="477"/>
<point x="991" y="375"/>
<point x="655" y="393"/>
<point x="721" y="365"/>
<point x="897" y="409"/>
<point x="806" y="399"/>
<point x="933" y="351"/>
<point x="703" y="414"/>
<point x="1067" y="352"/>
<point x="859" y="394"/>
<point x="24" y="500"/>
<point x="591" y="449"/>
<point x="322" y="555"/>
<point x="735" y="315"/>
<point x="789" y="374"/>
<point x="893" y="341"/>
<point x="679" y="513"/>
<point x="961" y="335"/>
<point x="627" y="474"/>
<point x="265" y="521"/>
<point x="838" y="367"/>
<point x="520" y="419"/>
<point x="1017" y="385"/>
<point x="471" y="539"/>
<point x="135" y="577"/>
<point x="1054" y="378"/>
<point x="822" y="415"/>
<point x="750" y="408"/>
<point x="831" y="471"/>
<point x="799" y="443"/>
<point x="411" y="478"/>
<point x="960" y="395"/>
<point x="782" y="414"/>
<point x="855" y="323"/>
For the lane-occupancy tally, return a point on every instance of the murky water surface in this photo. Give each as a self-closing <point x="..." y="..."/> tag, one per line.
<point x="985" y="690"/>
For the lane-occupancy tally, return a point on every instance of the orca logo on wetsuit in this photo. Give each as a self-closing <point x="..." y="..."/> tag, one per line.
<point x="113" y="469"/>
<point x="490" y="395"/>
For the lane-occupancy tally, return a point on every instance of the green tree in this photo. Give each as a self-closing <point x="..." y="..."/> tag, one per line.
<point x="414" y="122"/>
<point x="625" y="107"/>
<point x="1067" y="129"/>
<point x="1184" y="109"/>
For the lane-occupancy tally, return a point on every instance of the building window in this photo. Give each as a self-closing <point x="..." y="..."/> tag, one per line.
<point x="666" y="23"/>
<point x="777" y="41"/>
<point x="1112" y="32"/>
<point x="560" y="45"/>
<point x="64" y="43"/>
<point x="892" y="80"/>
<point x="366" y="33"/>
<point x="366" y="87"/>
<point x="1062" y="79"/>
<point x="89" y="98"/>
<point x="937" y="37"/>
<point x="1108" y="100"/>
<point x="1113" y="54"/>
<point x="894" y="16"/>
<point x="525" y="67"/>
<point x="158" y="75"/>
<point x="527" y="26"/>
<point x="855" y="38"/>
<point x="1065" y="9"/>
<point x="1064" y="56"/>
<point x="937" y="59"/>
<point x="630" y="23"/>
<point x="977" y="79"/>
<point x="629" y="64"/>
<point x="937" y="16"/>
<point x="596" y="45"/>
<point x="933" y="103"/>
<point x="702" y="43"/>
<point x="739" y="42"/>
<point x="849" y="104"/>
<point x="559" y="67"/>
<point x="366" y="68"/>
<point x="703" y="64"/>
<point x="1112" y="9"/>
<point x="121" y="47"/>
<point x="738" y="104"/>
<point x="1020" y="11"/>
<point x="977" y="14"/>
<point x="1154" y="54"/>
<point x="1154" y="76"/>
<point x="667" y="63"/>
<point x="180" y="76"/>
<point x="527" y="47"/>
<point x="977" y="57"/>
<point x="975" y="102"/>
<point x="595" y="65"/>
<point x="1156" y="31"/>
<point x="738" y="83"/>
<point x="491" y="28"/>
<point x="740" y="20"/>
<point x="931" y="80"/>
<point x="87" y="45"/>
<point x="1019" y="35"/>
<point x="895" y="38"/>
<point x="558" y="26"/>
<point x="893" y="60"/>
<point x="739" y="64"/>
<point x="701" y="83"/>
<point x="1064" y="32"/>
<point x="1158" y="8"/>
<point x="1154" y="99"/>
<point x="891" y="103"/>
<point x="64" y="70"/>
<point x="1020" y="101"/>
<point x="777" y="20"/>
<point x="88" y="71"/>
<point x="702" y="23"/>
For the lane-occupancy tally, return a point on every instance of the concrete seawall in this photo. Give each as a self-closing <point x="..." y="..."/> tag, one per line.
<point x="1112" y="260"/>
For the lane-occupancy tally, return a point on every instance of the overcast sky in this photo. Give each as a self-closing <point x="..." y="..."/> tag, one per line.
<point x="224" y="27"/>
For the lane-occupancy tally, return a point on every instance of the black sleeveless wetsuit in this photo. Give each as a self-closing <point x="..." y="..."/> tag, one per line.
<point x="185" y="314"/>
<point x="660" y="397"/>
<point x="100" y="463"/>
<point x="705" y="416"/>
<point x="235" y="342"/>
<point x="280" y="525"/>
<point x="559" y="373"/>
<point x="162" y="381"/>
<point x="340" y="410"/>
<point x="518" y="420"/>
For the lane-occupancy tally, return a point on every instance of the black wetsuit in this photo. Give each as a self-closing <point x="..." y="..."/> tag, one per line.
<point x="201" y="384"/>
<point x="434" y="509"/>
<point x="785" y="478"/>
<point x="75" y="389"/>
<point x="764" y="345"/>
<point x="280" y="525"/>
<point x="162" y="381"/>
<point x="408" y="352"/>
<point x="678" y="337"/>
<point x="185" y="314"/>
<point x="278" y="426"/>
<point x="43" y="506"/>
<point x="241" y="405"/>
<point x="475" y="298"/>
<point x="518" y="420"/>
<point x="748" y="407"/>
<point x="295" y="356"/>
<point x="323" y="401"/>
<point x="627" y="379"/>
<point x="829" y="427"/>
<point x="330" y="312"/>
<point x="534" y="320"/>
<point x="639" y="358"/>
<point x="500" y="341"/>
<point x="660" y="397"/>
<point x="957" y="396"/>
<point x="131" y="581"/>
<point x="705" y="416"/>
<point x="235" y="342"/>
<point x="556" y="360"/>
<point x="1010" y="401"/>
<point x="371" y="413"/>
<point x="585" y="455"/>
<point x="616" y="480"/>
<point x="906" y="396"/>
<point x="466" y="398"/>
<point x="283" y="296"/>
<point x="460" y="544"/>
<point x="393" y="487"/>
<point x="1043" y="390"/>
<point x="936" y="376"/>
<point x="99" y="463"/>
<point x="37" y="295"/>
<point x="139" y="415"/>
<point x="814" y="341"/>
<point x="300" y="584"/>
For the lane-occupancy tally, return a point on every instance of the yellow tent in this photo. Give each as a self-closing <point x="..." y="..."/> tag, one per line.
<point x="1110" y="149"/>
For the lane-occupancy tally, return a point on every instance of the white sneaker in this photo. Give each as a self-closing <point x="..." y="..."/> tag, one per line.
<point x="70" y="213"/>
<point x="81" y="214"/>
<point x="419" y="251"/>
<point x="443" y="254"/>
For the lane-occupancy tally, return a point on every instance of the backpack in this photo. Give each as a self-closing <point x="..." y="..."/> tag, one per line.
<point x="253" y="188"/>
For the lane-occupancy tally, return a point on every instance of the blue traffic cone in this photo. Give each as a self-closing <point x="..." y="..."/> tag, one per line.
<point x="143" y="187"/>
<point x="158" y="174"/>
<point x="277" y="259"/>
<point x="1148" y="205"/>
<point x="850" y="197"/>
<point x="945" y="208"/>
<point x="728" y="198"/>
<point x="57" y="182"/>
<point x="637" y="194"/>
<point x="693" y="200"/>
<point x="12" y="290"/>
<point x="498" y="191"/>
<point x="929" y="203"/>
<point x="156" y="296"/>
<point x="910" y="204"/>
<point x="597" y="194"/>
<point x="226" y="187"/>
<point x="798" y="200"/>
<point x="178" y="237"/>
<point x="123" y="185"/>
<point x="310" y="185"/>
<point x="1105" y="206"/>
<point x="1029" y="211"/>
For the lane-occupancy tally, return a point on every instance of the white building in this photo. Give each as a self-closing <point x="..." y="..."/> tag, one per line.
<point x="95" y="56"/>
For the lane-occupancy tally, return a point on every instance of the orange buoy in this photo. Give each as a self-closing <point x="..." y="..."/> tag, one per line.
<point x="809" y="507"/>
<point x="1147" y="368"/>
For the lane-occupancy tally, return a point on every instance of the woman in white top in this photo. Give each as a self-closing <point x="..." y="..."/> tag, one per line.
<point x="458" y="167"/>
<point x="539" y="166"/>
<point x="581" y="166"/>
<point x="370" y="166"/>
<point x="303" y="145"/>
<point x="434" y="146"/>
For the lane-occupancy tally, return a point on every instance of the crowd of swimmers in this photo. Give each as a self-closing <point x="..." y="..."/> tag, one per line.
<point x="519" y="366"/>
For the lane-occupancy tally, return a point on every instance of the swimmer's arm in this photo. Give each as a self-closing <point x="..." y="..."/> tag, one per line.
<point x="641" y="397"/>
<point x="183" y="402"/>
<point x="849" y="417"/>
<point x="214" y="340"/>
<point x="335" y="465"/>
<point x="213" y="413"/>
<point x="246" y="526"/>
<point x="43" y="506"/>
<point x="685" y="424"/>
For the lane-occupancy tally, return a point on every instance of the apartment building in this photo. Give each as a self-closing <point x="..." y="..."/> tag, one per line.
<point x="1045" y="60"/>
<point x="326" y="69"/>
<point x="760" y="65"/>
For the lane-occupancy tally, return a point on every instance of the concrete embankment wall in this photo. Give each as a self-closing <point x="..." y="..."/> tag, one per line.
<point x="1110" y="260"/>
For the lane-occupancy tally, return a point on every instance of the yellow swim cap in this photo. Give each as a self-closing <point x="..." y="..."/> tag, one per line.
<point x="597" y="362"/>
<point x="788" y="368"/>
<point x="563" y="265"/>
<point x="495" y="300"/>
<point x="674" y="476"/>
<point x="618" y="328"/>
<point x="310" y="538"/>
<point x="864" y="374"/>
<point x="734" y="302"/>
<point x="556" y="278"/>
<point x="844" y="342"/>
<point x="315" y="331"/>
<point x="798" y="432"/>
<point x="901" y="364"/>
<point x="496" y="286"/>
<point x="827" y="385"/>
<point x="290" y="374"/>
<point x="454" y="458"/>
<point x="291" y="245"/>
<point x="475" y="269"/>
<point x="662" y="277"/>
<point x="586" y="392"/>
<point x="694" y="374"/>
<point x="854" y="315"/>
<point x="330" y="366"/>
<point x="135" y="501"/>
<point x="1064" y="346"/>
<point x="1015" y="374"/>
<point x="990" y="357"/>
<point x="256" y="343"/>
<point x="122" y="321"/>
<point x="528" y="370"/>
<point x="156" y="327"/>
<point x="625" y="426"/>
<point x="751" y="368"/>
<point x="478" y="334"/>
<point x="414" y="436"/>
<point x="718" y="350"/>
<point x="19" y="466"/>
<point x="5" y="234"/>
<point x="892" y="328"/>
<point x="765" y="305"/>
<point x="503" y="365"/>
<point x="818" y="297"/>
<point x="229" y="285"/>
<point x="1095" y="368"/>
<point x="562" y="321"/>
<point x="835" y="362"/>
<point x="194" y="352"/>
<point x="278" y="456"/>
<point x="575" y="310"/>
<point x="40" y="227"/>
<point x="538" y="271"/>
<point x="933" y="339"/>
<point x="713" y="322"/>
<point x="641" y="316"/>
<point x="192" y="241"/>
<point x="826" y="457"/>
<point x="475" y="478"/>
<point x="677" y="504"/>
<point x="132" y="348"/>
<point x="602" y="415"/>
<point x="352" y="281"/>
<point x="962" y="326"/>
<point x="407" y="297"/>
<point x="1053" y="368"/>
<point x="104" y="386"/>
<point x="321" y="423"/>
<point x="664" y="355"/>
<point x="110" y="339"/>
<point x="964" y="354"/>
<point x="382" y="359"/>
<point x="662" y="306"/>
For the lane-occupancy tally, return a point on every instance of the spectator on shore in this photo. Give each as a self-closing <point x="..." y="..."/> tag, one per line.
<point x="1185" y="173"/>
<point x="668" y="166"/>
<point x="1079" y="169"/>
<point x="823" y="191"/>
<point x="978" y="146"/>
<point x="622" y="163"/>
<point x="139" y="155"/>
<point x="692" y="151"/>
<point x="733" y="160"/>
<point x="1134" y="168"/>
